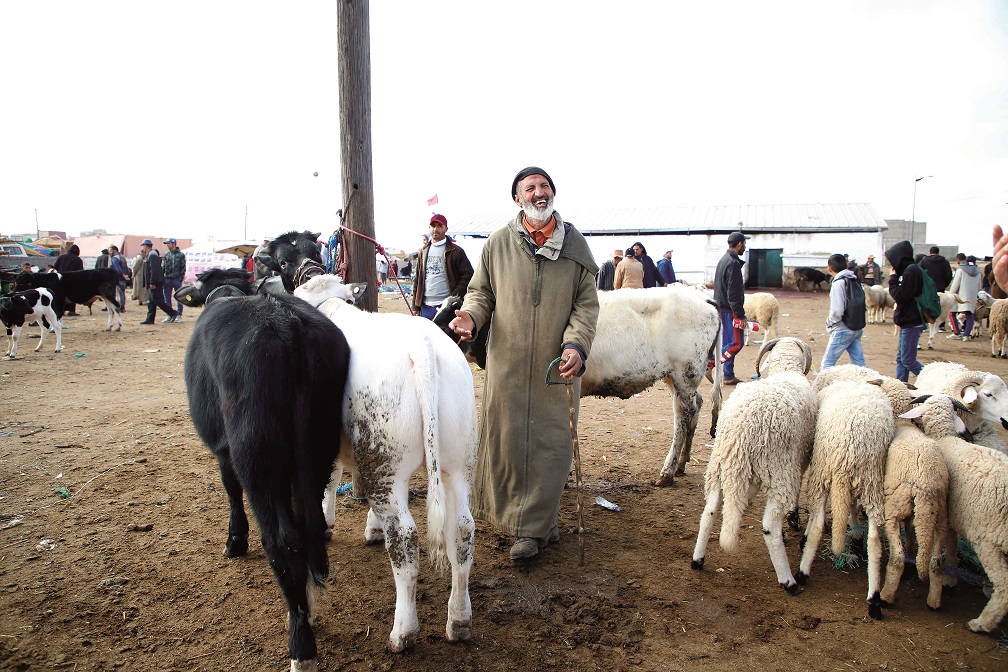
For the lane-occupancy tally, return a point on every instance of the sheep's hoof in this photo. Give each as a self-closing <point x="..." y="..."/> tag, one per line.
<point x="875" y="607"/>
<point x="801" y="577"/>
<point x="793" y="588"/>
<point x="794" y="521"/>
<point x="697" y="564"/>
<point x="664" y="480"/>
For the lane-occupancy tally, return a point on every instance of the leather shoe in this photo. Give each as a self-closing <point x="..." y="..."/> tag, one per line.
<point x="524" y="548"/>
<point x="732" y="381"/>
<point x="147" y="322"/>
<point x="551" y="538"/>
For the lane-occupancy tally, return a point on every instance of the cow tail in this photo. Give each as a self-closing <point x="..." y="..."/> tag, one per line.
<point x="714" y="355"/>
<point x="428" y="385"/>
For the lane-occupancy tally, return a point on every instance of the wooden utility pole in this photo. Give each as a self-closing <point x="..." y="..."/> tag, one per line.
<point x="353" y="37"/>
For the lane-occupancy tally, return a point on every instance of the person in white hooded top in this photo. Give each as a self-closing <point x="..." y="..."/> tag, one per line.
<point x="841" y="338"/>
<point x="965" y="287"/>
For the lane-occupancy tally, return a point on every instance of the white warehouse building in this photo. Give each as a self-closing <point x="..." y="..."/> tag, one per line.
<point x="782" y="237"/>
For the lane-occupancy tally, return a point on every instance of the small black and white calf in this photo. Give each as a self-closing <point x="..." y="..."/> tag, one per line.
<point x="27" y="307"/>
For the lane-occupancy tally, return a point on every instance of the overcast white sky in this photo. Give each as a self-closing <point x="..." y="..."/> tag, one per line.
<point x="171" y="118"/>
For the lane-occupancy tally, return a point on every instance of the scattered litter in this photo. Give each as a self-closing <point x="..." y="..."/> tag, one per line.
<point x="45" y="545"/>
<point x="78" y="355"/>
<point x="606" y="504"/>
<point x="344" y="488"/>
<point x="7" y="433"/>
<point x="59" y="475"/>
<point x="638" y="396"/>
<point x="719" y="570"/>
<point x="135" y="527"/>
<point x="63" y="493"/>
<point x="153" y="350"/>
<point x="10" y="521"/>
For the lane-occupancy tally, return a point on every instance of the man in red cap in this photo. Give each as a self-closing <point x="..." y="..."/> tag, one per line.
<point x="536" y="278"/>
<point x="443" y="270"/>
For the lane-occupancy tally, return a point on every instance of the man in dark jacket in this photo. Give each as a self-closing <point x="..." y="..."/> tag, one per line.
<point x="940" y="270"/>
<point x="103" y="260"/>
<point x="174" y="267"/>
<point x="69" y="261"/>
<point x="729" y="292"/>
<point x="651" y="277"/>
<point x="906" y="280"/>
<point x="443" y="270"/>
<point x="153" y="280"/>
<point x="870" y="273"/>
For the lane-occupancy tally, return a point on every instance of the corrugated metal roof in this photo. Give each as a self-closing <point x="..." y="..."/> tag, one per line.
<point x="702" y="219"/>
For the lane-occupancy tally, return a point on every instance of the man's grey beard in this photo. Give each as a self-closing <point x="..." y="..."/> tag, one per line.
<point x="537" y="214"/>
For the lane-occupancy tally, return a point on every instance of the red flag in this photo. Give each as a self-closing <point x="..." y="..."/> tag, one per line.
<point x="432" y="200"/>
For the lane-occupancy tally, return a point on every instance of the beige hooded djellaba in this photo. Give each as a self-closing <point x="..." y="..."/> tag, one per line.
<point x="540" y="299"/>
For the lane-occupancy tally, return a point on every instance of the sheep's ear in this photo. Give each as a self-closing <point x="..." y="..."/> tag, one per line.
<point x="915" y="412"/>
<point x="969" y="396"/>
<point x="875" y="381"/>
<point x="910" y="386"/>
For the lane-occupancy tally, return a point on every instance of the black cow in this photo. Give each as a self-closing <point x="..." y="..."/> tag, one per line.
<point x="474" y="349"/>
<point x="29" y="306"/>
<point x="812" y="275"/>
<point x="265" y="376"/>
<point x="78" y="287"/>
<point x="295" y="257"/>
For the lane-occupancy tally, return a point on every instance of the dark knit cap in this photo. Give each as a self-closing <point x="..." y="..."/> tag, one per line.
<point x="525" y="172"/>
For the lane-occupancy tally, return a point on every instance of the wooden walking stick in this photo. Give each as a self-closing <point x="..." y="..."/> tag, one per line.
<point x="577" y="454"/>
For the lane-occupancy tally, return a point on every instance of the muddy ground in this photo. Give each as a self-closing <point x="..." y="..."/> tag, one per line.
<point x="113" y="519"/>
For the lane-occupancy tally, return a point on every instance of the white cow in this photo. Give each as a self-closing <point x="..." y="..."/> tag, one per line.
<point x="409" y="400"/>
<point x="26" y="307"/>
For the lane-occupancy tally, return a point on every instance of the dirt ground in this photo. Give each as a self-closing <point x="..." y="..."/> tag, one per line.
<point x="113" y="520"/>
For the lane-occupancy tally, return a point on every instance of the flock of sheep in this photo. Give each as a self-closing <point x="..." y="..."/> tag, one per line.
<point x="927" y="457"/>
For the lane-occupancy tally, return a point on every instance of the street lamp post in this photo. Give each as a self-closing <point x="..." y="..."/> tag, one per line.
<point x="913" y="211"/>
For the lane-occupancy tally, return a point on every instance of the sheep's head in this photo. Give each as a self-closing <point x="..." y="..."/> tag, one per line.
<point x="983" y="393"/>
<point x="936" y="416"/>
<point x="784" y="354"/>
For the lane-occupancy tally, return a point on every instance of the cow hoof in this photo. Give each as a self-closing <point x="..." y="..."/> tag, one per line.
<point x="697" y="564"/>
<point x="459" y="631"/>
<point x="236" y="547"/>
<point x="407" y="642"/>
<point x="793" y="588"/>
<point x="304" y="665"/>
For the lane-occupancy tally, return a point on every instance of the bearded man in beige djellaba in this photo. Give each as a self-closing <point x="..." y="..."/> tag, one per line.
<point x="536" y="278"/>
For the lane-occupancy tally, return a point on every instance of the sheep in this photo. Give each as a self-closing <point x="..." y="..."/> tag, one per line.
<point x="948" y="304"/>
<point x="675" y="332"/>
<point x="762" y="308"/>
<point x="853" y="430"/>
<point x="763" y="441"/>
<point x="998" y="326"/>
<point x="977" y="498"/>
<point x="989" y="404"/>
<point x="981" y="312"/>
<point x="877" y="301"/>
<point x="915" y="485"/>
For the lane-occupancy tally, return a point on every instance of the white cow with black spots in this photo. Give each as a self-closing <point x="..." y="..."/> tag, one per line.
<point x="409" y="401"/>
<point x="26" y="307"/>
